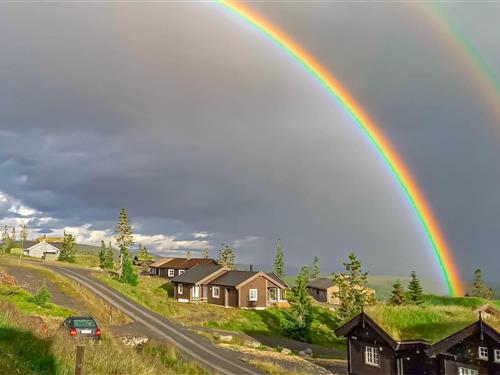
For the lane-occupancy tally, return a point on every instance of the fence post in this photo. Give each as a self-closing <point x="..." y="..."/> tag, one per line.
<point x="79" y="360"/>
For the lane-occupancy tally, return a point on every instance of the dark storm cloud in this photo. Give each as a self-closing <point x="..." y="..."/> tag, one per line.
<point x="196" y="123"/>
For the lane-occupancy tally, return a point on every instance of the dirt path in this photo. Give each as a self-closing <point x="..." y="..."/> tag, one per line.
<point x="31" y="279"/>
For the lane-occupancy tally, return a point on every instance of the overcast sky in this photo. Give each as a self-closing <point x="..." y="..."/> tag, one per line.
<point x="208" y="133"/>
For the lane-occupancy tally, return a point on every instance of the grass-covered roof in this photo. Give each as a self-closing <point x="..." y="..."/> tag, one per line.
<point x="432" y="321"/>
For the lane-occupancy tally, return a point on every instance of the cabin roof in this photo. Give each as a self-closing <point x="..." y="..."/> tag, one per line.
<point x="322" y="283"/>
<point x="197" y="273"/>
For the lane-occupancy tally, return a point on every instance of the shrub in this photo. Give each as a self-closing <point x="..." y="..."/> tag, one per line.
<point x="42" y="296"/>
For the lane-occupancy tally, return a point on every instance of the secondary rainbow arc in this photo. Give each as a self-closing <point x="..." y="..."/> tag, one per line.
<point x="404" y="178"/>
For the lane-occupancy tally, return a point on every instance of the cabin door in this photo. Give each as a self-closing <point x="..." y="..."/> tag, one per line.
<point x="196" y="292"/>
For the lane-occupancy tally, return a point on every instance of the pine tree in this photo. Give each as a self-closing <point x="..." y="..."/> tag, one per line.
<point x="315" y="270"/>
<point x="14" y="235"/>
<point x="300" y="318"/>
<point x="415" y="294"/>
<point x="124" y="240"/>
<point x="143" y="256"/>
<point x="102" y="255"/>
<point x="398" y="296"/>
<point x="351" y="288"/>
<point x="108" y="263"/>
<point x="68" y="249"/>
<point x="226" y="257"/>
<point x="24" y="233"/>
<point x="6" y="242"/>
<point x="279" y="262"/>
<point x="205" y="253"/>
<point x="479" y="288"/>
<point x="189" y="255"/>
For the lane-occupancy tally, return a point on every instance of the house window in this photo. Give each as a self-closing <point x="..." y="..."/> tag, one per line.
<point x="181" y="272"/>
<point x="497" y="355"/>
<point x="252" y="294"/>
<point x="180" y="289"/>
<point x="273" y="294"/>
<point x="216" y="292"/>
<point x="372" y="357"/>
<point x="171" y="272"/>
<point x="483" y="353"/>
<point x="467" y="371"/>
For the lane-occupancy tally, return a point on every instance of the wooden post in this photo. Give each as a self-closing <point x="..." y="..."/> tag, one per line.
<point x="79" y="360"/>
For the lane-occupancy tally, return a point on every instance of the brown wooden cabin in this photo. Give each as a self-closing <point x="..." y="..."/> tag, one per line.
<point x="371" y="350"/>
<point x="322" y="290"/>
<point x="221" y="286"/>
<point x="169" y="268"/>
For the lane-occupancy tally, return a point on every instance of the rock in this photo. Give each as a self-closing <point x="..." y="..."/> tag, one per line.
<point x="306" y="353"/>
<point x="252" y="343"/>
<point x="286" y="351"/>
<point x="225" y="338"/>
<point x="134" y="341"/>
<point x="7" y="280"/>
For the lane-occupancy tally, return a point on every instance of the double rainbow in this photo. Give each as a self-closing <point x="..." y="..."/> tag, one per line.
<point x="406" y="181"/>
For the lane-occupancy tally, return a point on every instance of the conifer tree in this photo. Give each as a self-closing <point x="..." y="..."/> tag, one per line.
<point x="108" y="263"/>
<point x="14" y="235"/>
<point x="300" y="319"/>
<point x="6" y="242"/>
<point x="415" y="294"/>
<point x="68" y="249"/>
<point x="315" y="269"/>
<point x="189" y="255"/>
<point x="24" y="233"/>
<point x="398" y="296"/>
<point x="479" y="288"/>
<point x="352" y="291"/>
<point x="102" y="255"/>
<point x="143" y="256"/>
<point x="279" y="261"/>
<point x="205" y="253"/>
<point x="226" y="257"/>
<point x="124" y="240"/>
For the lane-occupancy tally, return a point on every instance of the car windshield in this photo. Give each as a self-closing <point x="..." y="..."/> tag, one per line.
<point x="84" y="323"/>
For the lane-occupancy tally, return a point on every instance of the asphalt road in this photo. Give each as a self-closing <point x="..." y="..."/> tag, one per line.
<point x="196" y="347"/>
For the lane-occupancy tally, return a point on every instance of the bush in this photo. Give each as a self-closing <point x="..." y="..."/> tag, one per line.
<point x="42" y="296"/>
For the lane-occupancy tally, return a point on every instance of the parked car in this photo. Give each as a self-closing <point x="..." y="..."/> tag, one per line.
<point x="82" y="327"/>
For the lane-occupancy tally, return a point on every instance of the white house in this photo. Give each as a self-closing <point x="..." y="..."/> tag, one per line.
<point x="38" y="250"/>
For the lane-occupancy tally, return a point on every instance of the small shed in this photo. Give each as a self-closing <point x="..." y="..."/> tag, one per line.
<point x="322" y="290"/>
<point x="40" y="249"/>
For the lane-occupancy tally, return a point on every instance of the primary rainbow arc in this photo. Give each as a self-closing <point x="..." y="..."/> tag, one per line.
<point x="421" y="207"/>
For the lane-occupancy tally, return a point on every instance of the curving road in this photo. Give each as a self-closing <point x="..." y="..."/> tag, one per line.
<point x="198" y="348"/>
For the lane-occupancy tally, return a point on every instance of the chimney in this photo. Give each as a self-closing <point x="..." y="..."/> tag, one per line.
<point x="251" y="267"/>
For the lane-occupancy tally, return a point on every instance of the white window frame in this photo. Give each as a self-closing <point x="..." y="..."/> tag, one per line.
<point x="181" y="272"/>
<point x="482" y="353"/>
<point x="170" y="272"/>
<point x="195" y="292"/>
<point x="276" y="296"/>
<point x="372" y="356"/>
<point x="215" y="295"/>
<point x="467" y="371"/>
<point x="180" y="289"/>
<point x="496" y="355"/>
<point x="253" y="294"/>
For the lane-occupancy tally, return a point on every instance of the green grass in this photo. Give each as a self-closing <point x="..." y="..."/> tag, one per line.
<point x="23" y="300"/>
<point x="427" y="322"/>
<point x="470" y="302"/>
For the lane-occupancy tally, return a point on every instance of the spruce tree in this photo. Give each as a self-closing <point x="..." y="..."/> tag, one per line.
<point x="398" y="296"/>
<point x="479" y="288"/>
<point x="68" y="249"/>
<point x="315" y="269"/>
<point x="351" y="288"/>
<point x="108" y="262"/>
<point x="14" y="235"/>
<point x="6" y="242"/>
<point x="189" y="255"/>
<point x="205" y="253"/>
<point x="415" y="293"/>
<point x="279" y="262"/>
<point x="143" y="256"/>
<point x="124" y="240"/>
<point x="226" y="257"/>
<point x="24" y="233"/>
<point x="102" y="255"/>
<point x="298" y="325"/>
